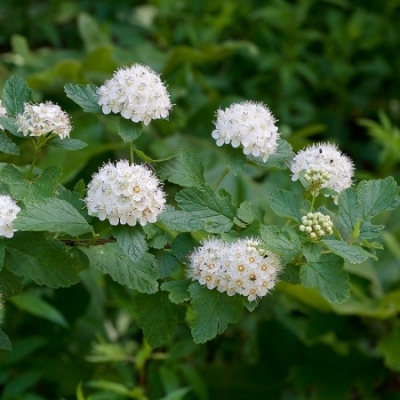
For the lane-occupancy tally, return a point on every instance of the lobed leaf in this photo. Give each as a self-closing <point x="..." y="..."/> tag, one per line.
<point x="131" y="240"/>
<point x="84" y="96"/>
<point x="15" y="93"/>
<point x="352" y="253"/>
<point x="128" y="130"/>
<point x="180" y="221"/>
<point x="5" y="343"/>
<point x="167" y="264"/>
<point x="8" y="146"/>
<point x="157" y="307"/>
<point x="213" y="310"/>
<point x="111" y="259"/>
<point x="328" y="277"/>
<point x="288" y="205"/>
<point x="54" y="215"/>
<point x="39" y="188"/>
<point x="178" y="290"/>
<point x="234" y="159"/>
<point x="183" y="169"/>
<point x="10" y="284"/>
<point x="215" y="213"/>
<point x="248" y="212"/>
<point x="44" y="259"/>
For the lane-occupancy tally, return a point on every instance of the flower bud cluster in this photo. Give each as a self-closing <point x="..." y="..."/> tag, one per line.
<point x="316" y="225"/>
<point x="137" y="93"/>
<point x="241" y="267"/>
<point x="43" y="118"/>
<point x="3" y="112"/>
<point x="325" y="157"/>
<point x="125" y="194"/>
<point x="8" y="212"/>
<point x="316" y="178"/>
<point x="250" y="125"/>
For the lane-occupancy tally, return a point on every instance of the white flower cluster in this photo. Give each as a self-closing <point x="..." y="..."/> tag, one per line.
<point x="43" y="118"/>
<point x="316" y="225"/>
<point x="125" y="194"/>
<point x="3" y="111"/>
<point x="325" y="157"/>
<point x="316" y="178"/>
<point x="137" y="93"/>
<point x="8" y="212"/>
<point x="241" y="267"/>
<point x="248" y="124"/>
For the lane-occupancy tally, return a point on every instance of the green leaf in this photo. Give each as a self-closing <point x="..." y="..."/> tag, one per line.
<point x="291" y="274"/>
<point x="280" y="159"/>
<point x="167" y="264"/>
<point x="9" y="124"/>
<point x="44" y="259"/>
<point x="90" y="32"/>
<point x="288" y="205"/>
<point x="131" y="240"/>
<point x="183" y="169"/>
<point x="234" y="159"/>
<point x="180" y="221"/>
<point x="157" y="316"/>
<point x="352" y="253"/>
<point x="248" y="212"/>
<point x="42" y="186"/>
<point x="2" y="252"/>
<point x="214" y="311"/>
<point x="215" y="212"/>
<point x="328" y="277"/>
<point x="128" y="130"/>
<point x="362" y="203"/>
<point x="15" y="93"/>
<point x="67" y="144"/>
<point x="84" y="96"/>
<point x="8" y="146"/>
<point x="390" y="349"/>
<point x="178" y="290"/>
<point x="10" y="284"/>
<point x="312" y="250"/>
<point x="34" y="305"/>
<point x="285" y="243"/>
<point x="111" y="259"/>
<point x="177" y="394"/>
<point x="5" y="343"/>
<point x="54" y="215"/>
<point x="182" y="245"/>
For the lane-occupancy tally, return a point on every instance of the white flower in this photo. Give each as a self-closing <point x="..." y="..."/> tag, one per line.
<point x="137" y="93"/>
<point x="241" y="267"/>
<point x="8" y="212"/>
<point x="316" y="225"/>
<point x="125" y="194"/>
<point x="325" y="157"/>
<point x="3" y="111"/>
<point x="42" y="119"/>
<point x="250" y="125"/>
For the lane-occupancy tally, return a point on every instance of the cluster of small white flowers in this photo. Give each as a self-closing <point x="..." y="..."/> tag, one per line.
<point x="125" y="194"/>
<point x="241" y="267"/>
<point x="8" y="212"/>
<point x="316" y="225"/>
<point x="137" y="93"/>
<point x="249" y="124"/>
<point x="316" y="178"/>
<point x="3" y="111"/>
<point x="325" y="157"/>
<point x="43" y="118"/>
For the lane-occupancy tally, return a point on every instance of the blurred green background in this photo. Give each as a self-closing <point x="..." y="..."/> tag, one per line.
<point x="328" y="70"/>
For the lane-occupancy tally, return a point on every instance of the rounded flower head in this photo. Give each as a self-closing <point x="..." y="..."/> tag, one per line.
<point x="137" y="93"/>
<point x="326" y="161"/>
<point x="241" y="267"/>
<point x="43" y="118"/>
<point x="3" y="112"/>
<point x="125" y="194"/>
<point x="316" y="225"/>
<point x="250" y="125"/>
<point x="8" y="212"/>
